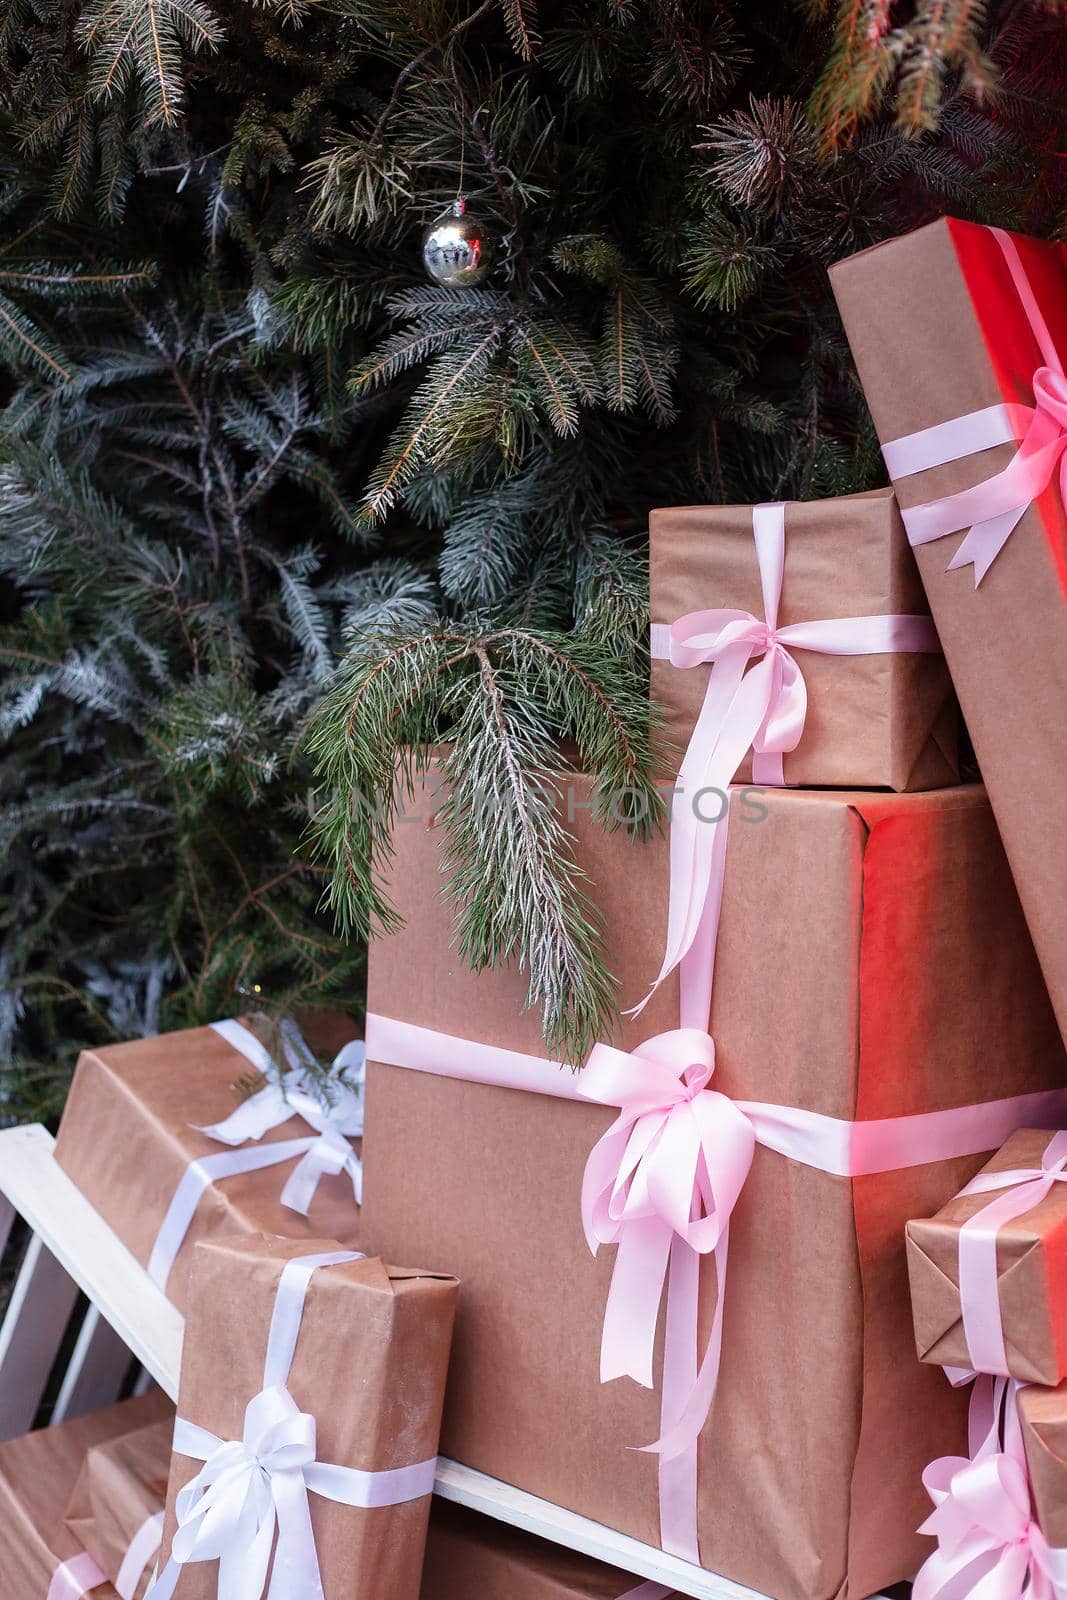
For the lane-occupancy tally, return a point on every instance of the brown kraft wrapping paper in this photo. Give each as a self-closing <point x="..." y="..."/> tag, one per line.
<point x="1043" y="1415"/>
<point x="121" y="1486"/>
<point x="370" y="1366"/>
<point x="873" y="961"/>
<point x="937" y="332"/>
<point x="471" y="1557"/>
<point x="37" y="1475"/>
<point x="879" y="721"/>
<point x="1031" y="1274"/>
<point x="127" y="1137"/>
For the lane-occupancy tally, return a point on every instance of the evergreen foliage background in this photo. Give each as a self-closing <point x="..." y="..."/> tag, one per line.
<point x="244" y="440"/>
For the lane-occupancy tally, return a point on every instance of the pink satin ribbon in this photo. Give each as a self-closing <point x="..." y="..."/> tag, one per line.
<point x="991" y="510"/>
<point x="979" y="1301"/>
<point x="663" y="1181"/>
<point x="75" y="1578"/>
<point x="756" y="699"/>
<point x="989" y="1545"/>
<point x="650" y="1591"/>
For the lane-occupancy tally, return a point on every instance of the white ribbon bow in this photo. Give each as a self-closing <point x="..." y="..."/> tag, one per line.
<point x="245" y="1493"/>
<point x="335" y="1124"/>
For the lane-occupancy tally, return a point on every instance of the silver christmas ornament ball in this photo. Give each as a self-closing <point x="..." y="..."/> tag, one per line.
<point x="457" y="251"/>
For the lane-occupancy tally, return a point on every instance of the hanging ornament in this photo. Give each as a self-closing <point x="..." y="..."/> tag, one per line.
<point x="457" y="251"/>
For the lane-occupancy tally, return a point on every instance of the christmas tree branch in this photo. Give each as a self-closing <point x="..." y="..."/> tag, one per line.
<point x="503" y="699"/>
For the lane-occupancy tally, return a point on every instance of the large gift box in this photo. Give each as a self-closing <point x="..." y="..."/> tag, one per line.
<point x="957" y="321"/>
<point x="132" y="1139"/>
<point x="299" y="1354"/>
<point x="116" y="1508"/>
<point x="876" y="718"/>
<point x="873" y="964"/>
<point x="470" y="1557"/>
<point x="1043" y="1418"/>
<point x="39" y="1555"/>
<point x="1026" y="1275"/>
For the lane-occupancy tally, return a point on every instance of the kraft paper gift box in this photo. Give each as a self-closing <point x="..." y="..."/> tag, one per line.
<point x="873" y="963"/>
<point x="1031" y="1268"/>
<point x="130" y="1133"/>
<point x="1043" y="1418"/>
<point x="938" y="331"/>
<point x="39" y="1555"/>
<point x="471" y="1557"/>
<point x="368" y="1364"/>
<point x="881" y="720"/>
<point x="116" y="1509"/>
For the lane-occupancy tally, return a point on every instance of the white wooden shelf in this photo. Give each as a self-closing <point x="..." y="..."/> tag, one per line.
<point x="73" y="1248"/>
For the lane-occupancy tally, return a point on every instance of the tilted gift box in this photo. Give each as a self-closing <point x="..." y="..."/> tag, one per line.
<point x="130" y="1134"/>
<point x="471" y="1557"/>
<point x="939" y="331"/>
<point x="116" y="1508"/>
<point x="314" y="1357"/>
<point x="883" y="719"/>
<point x="39" y="1555"/>
<point x="1030" y="1265"/>
<point x="1043" y="1418"/>
<point x="873" y="963"/>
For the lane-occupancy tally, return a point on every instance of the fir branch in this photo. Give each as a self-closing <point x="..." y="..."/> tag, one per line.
<point x="505" y="697"/>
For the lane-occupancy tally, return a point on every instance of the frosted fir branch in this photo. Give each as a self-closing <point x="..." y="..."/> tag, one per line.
<point x="503" y="698"/>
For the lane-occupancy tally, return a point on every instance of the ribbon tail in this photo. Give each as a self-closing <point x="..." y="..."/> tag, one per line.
<point x="632" y="1312"/>
<point x="296" y="1574"/>
<point x="678" y="1473"/>
<point x="354" y="1168"/>
<point x="301" y="1184"/>
<point x="692" y="1412"/>
<point x="984" y="543"/>
<point x="163" y="1586"/>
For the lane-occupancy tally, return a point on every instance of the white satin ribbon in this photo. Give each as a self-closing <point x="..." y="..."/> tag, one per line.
<point x="144" y="1547"/>
<point x="327" y="1150"/>
<point x="251" y="1495"/>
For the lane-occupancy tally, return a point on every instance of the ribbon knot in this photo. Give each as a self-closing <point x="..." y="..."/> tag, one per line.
<point x="247" y="1491"/>
<point x="663" y="1180"/>
<point x="335" y="1121"/>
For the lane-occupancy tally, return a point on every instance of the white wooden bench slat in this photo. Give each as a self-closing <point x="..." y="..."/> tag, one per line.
<point x="39" y="1310"/>
<point x="99" y="1365"/>
<point x="71" y="1235"/>
<point x="114" y="1281"/>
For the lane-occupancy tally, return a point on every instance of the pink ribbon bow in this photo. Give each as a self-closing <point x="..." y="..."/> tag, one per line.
<point x="756" y="700"/>
<point x="662" y="1184"/>
<point x="979" y="1301"/>
<point x="989" y="1544"/>
<point x="991" y="510"/>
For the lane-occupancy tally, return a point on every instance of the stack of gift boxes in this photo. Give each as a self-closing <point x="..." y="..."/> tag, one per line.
<point x="696" y="1243"/>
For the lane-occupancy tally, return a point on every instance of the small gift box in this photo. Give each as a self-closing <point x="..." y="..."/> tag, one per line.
<point x="306" y="1442"/>
<point x="218" y="1130"/>
<point x="40" y="1557"/>
<point x="469" y="1557"/>
<point x="116" y="1509"/>
<point x="823" y="598"/>
<point x="959" y="333"/>
<point x="1043" y="1419"/>
<point x="989" y="1272"/>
